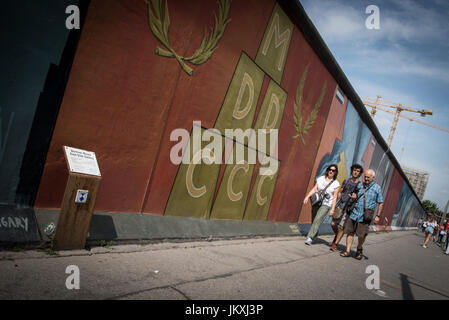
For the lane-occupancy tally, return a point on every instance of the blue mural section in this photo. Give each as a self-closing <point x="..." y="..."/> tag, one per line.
<point x="383" y="167"/>
<point x="356" y="136"/>
<point x="408" y="209"/>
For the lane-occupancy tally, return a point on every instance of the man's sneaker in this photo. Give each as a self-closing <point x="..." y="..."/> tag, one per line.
<point x="424" y="246"/>
<point x="308" y="241"/>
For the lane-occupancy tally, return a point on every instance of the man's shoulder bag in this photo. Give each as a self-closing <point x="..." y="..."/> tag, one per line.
<point x="368" y="214"/>
<point x="338" y="212"/>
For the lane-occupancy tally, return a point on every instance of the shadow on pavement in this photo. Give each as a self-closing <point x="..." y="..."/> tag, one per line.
<point x="407" y="291"/>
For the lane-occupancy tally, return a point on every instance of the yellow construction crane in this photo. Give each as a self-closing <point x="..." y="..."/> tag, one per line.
<point x="376" y="104"/>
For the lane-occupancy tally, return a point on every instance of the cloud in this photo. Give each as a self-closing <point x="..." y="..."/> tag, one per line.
<point x="412" y="39"/>
<point x="337" y="22"/>
<point x="370" y="88"/>
<point x="413" y="22"/>
<point x="396" y="61"/>
<point x="400" y="20"/>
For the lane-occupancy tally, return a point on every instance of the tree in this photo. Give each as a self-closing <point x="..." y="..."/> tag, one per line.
<point x="430" y="207"/>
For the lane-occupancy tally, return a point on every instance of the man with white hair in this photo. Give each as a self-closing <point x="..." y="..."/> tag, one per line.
<point x="367" y="196"/>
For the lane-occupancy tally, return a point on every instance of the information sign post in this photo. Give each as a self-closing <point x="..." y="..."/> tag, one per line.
<point x="79" y="199"/>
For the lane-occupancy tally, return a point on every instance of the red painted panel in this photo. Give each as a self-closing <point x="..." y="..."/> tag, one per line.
<point x="392" y="197"/>
<point x="368" y="155"/>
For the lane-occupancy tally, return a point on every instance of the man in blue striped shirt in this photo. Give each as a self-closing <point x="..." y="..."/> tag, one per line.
<point x="369" y="195"/>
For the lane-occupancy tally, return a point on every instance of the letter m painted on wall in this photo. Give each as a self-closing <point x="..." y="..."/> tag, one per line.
<point x="273" y="49"/>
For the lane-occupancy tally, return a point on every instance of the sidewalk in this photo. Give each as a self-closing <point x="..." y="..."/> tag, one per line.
<point x="274" y="268"/>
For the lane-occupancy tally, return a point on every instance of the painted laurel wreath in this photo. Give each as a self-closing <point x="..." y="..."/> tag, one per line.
<point x="298" y="109"/>
<point x="159" y="21"/>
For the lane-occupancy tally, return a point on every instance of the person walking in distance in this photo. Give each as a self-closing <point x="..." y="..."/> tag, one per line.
<point x="441" y="233"/>
<point x="367" y="198"/>
<point x="430" y="227"/>
<point x="327" y="186"/>
<point x="447" y="235"/>
<point x="435" y="232"/>
<point x="344" y="200"/>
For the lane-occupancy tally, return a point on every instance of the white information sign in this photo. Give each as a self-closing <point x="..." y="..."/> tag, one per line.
<point x="82" y="161"/>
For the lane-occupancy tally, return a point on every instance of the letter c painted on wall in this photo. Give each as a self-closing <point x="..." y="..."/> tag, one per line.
<point x="191" y="188"/>
<point x="231" y="194"/>
<point x="261" y="201"/>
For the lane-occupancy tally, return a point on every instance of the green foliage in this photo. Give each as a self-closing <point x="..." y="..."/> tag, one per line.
<point x="430" y="207"/>
<point x="303" y="130"/>
<point x="51" y="252"/>
<point x="106" y="244"/>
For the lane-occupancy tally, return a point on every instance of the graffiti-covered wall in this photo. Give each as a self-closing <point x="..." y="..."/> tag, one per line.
<point x="219" y="110"/>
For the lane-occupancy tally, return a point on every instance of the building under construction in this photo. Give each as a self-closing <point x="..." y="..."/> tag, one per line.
<point x="418" y="179"/>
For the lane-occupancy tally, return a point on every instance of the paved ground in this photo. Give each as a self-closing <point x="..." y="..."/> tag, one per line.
<point x="279" y="268"/>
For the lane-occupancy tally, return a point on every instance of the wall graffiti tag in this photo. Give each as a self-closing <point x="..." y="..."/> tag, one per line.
<point x="18" y="224"/>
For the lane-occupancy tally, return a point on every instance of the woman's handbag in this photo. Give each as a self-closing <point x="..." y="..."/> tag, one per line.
<point x="318" y="196"/>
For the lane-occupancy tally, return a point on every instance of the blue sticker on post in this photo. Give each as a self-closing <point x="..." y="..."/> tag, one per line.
<point x="81" y="196"/>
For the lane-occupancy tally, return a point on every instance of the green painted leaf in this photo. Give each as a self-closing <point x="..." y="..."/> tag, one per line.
<point x="298" y="100"/>
<point x="166" y="19"/>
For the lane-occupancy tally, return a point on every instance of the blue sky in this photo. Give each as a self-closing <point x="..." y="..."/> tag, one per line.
<point x="405" y="61"/>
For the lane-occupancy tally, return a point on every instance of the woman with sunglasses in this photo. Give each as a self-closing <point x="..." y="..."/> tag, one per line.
<point x="330" y="186"/>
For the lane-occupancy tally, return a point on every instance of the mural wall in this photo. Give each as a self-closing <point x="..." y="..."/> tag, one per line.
<point x="31" y="58"/>
<point x="169" y="109"/>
